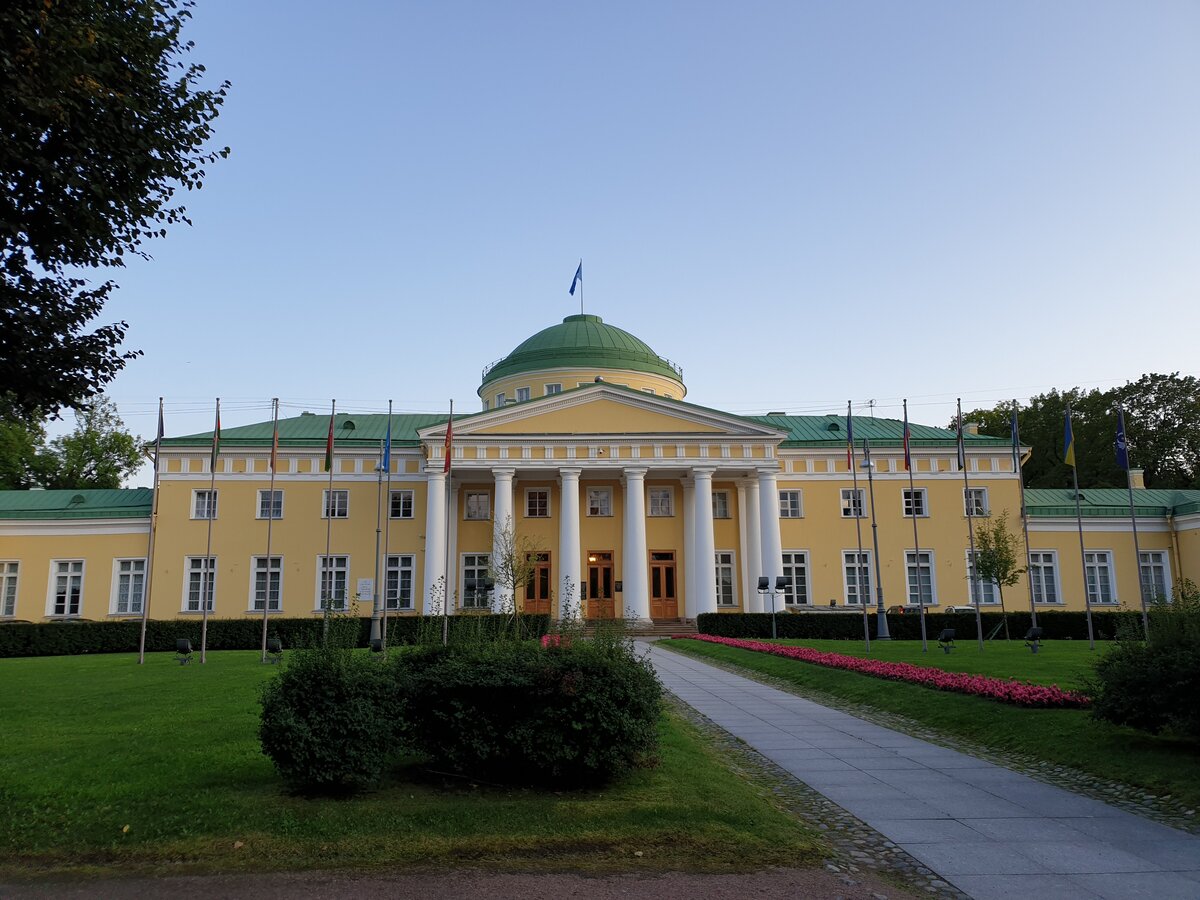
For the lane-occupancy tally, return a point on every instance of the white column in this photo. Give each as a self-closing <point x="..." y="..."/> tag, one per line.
<point x="568" y="539"/>
<point x="687" y="602"/>
<point x="435" y="539"/>
<point x="768" y="507"/>
<point x="743" y="549"/>
<point x="504" y="533"/>
<point x="704" y="568"/>
<point x="753" y="545"/>
<point x="634" y="564"/>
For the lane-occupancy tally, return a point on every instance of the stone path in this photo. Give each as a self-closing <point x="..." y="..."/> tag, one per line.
<point x="989" y="831"/>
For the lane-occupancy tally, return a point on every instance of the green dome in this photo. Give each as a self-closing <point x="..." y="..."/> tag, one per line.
<point x="582" y="342"/>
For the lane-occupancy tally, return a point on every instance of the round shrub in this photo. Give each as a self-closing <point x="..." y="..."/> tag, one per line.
<point x="1151" y="688"/>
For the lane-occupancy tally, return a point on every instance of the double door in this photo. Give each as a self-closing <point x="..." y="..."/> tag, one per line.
<point x="664" y="601"/>
<point x="600" y="602"/>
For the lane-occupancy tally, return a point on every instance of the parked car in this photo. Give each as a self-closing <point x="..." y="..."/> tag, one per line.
<point x="960" y="609"/>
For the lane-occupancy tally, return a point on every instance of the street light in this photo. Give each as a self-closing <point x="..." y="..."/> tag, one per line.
<point x="782" y="583"/>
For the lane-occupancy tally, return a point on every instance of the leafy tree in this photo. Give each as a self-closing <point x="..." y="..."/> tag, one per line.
<point x="1162" y="426"/>
<point x="21" y="446"/>
<point x="99" y="453"/>
<point x="997" y="552"/>
<point x="101" y="122"/>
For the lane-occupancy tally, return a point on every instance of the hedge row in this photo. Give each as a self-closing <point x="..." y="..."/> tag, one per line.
<point x="74" y="637"/>
<point x="1055" y="625"/>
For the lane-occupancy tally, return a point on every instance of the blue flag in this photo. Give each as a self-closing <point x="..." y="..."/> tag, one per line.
<point x="1122" y="446"/>
<point x="387" y="447"/>
<point x="578" y="279"/>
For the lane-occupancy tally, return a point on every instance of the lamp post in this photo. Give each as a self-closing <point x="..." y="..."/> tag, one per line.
<point x="881" y="625"/>
<point x="782" y="583"/>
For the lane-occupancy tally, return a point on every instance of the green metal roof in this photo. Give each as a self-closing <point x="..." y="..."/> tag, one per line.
<point x="821" y="431"/>
<point x="584" y="342"/>
<point x="1110" y="502"/>
<point x="130" y="503"/>
<point x="311" y="430"/>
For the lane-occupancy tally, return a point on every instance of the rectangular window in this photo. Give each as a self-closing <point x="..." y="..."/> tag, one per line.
<point x="68" y="587"/>
<point x="853" y="506"/>
<point x="920" y="577"/>
<point x="721" y="505"/>
<point x="795" y="569"/>
<point x="1098" y="565"/>
<point x="599" y="502"/>
<point x="268" y="582"/>
<point x="789" y="505"/>
<point x="537" y="503"/>
<point x="335" y="504"/>
<point x="129" y="586"/>
<point x="477" y="505"/>
<point x="204" y="504"/>
<point x="914" y="503"/>
<point x="398" y="582"/>
<point x="8" y="588"/>
<point x="201" y="582"/>
<point x="270" y="504"/>
<point x="474" y="571"/>
<point x="857" y="577"/>
<point x="552" y="389"/>
<point x="1156" y="574"/>
<point x="975" y="501"/>
<point x="500" y="400"/>
<point x="333" y="577"/>
<point x="982" y="592"/>
<point x="662" y="502"/>
<point x="1043" y="573"/>
<point x="522" y="394"/>
<point x="725" y="594"/>
<point x="400" y="504"/>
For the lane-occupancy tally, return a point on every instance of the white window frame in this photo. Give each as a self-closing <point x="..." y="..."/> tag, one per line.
<point x="986" y="592"/>
<point x="850" y="580"/>
<point x="189" y="569"/>
<point x="1148" y="561"/>
<point x="1100" y="560"/>
<point x="395" y="595"/>
<point x="909" y="598"/>
<point x="789" y="509"/>
<point x="721" y="505"/>
<point x="114" y="600"/>
<point x="795" y="569"/>
<point x="500" y="400"/>
<point x="912" y="498"/>
<point x="52" y="588"/>
<point x="212" y="506"/>
<point x="726" y="564"/>
<point x="271" y="573"/>
<point x="1045" y="558"/>
<point x="848" y="504"/>
<point x="407" y="497"/>
<point x="480" y="564"/>
<point x="334" y="569"/>
<point x="662" y="502"/>
<point x="981" y="508"/>
<point x="262" y="507"/>
<point x="340" y="510"/>
<point x="10" y="585"/>
<point x="603" y="509"/>
<point x="551" y="389"/>
<point x="530" y="511"/>
<point x="523" y="394"/>
<point x="475" y="515"/>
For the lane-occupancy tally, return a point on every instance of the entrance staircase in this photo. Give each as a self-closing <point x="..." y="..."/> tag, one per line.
<point x="662" y="628"/>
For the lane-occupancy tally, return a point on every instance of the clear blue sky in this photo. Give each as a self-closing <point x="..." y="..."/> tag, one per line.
<point x="801" y="203"/>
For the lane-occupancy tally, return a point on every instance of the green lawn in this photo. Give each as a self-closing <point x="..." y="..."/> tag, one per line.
<point x="1066" y="737"/>
<point x="1064" y="663"/>
<point x="92" y="744"/>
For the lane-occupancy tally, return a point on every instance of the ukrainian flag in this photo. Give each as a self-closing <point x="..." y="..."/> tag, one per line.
<point x="1069" y="442"/>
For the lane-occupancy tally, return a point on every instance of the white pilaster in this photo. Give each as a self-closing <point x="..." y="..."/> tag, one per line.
<point x="634" y="563"/>
<point x="568" y="539"/>
<point x="503" y="521"/>
<point x="754" y="546"/>
<point x="705" y="590"/>
<point x="768" y="504"/>
<point x="687" y="600"/>
<point x="435" y="539"/>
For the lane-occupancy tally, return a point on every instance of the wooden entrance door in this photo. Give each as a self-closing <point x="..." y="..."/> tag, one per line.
<point x="664" y="603"/>
<point x="537" y="588"/>
<point x="600" y="584"/>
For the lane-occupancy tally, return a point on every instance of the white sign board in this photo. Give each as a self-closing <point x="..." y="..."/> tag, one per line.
<point x="366" y="589"/>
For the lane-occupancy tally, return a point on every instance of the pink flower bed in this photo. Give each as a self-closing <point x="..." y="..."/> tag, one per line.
<point x="1004" y="690"/>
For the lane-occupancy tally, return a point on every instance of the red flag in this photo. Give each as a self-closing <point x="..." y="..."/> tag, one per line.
<point x="849" y="439"/>
<point x="907" y="452"/>
<point x="449" y="439"/>
<point x="329" y="446"/>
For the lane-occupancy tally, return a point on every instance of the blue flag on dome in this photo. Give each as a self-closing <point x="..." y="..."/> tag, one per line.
<point x="578" y="279"/>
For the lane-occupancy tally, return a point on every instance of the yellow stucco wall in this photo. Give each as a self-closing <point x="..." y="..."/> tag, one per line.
<point x="573" y="378"/>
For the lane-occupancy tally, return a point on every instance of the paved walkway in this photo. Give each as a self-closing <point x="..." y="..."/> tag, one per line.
<point x="989" y="831"/>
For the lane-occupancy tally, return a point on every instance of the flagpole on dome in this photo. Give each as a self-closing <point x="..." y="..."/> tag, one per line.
<point x="1016" y="455"/>
<point x="856" y="511"/>
<point x="267" y="583"/>
<point x="578" y="280"/>
<point x="148" y="578"/>
<point x="973" y="587"/>
<point x="327" y="569"/>
<point x="912" y="492"/>
<point x="1069" y="459"/>
<point x="1123" y="462"/>
<point x="446" y="466"/>
<point x="206" y="571"/>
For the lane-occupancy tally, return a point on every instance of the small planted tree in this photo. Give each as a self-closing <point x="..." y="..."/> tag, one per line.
<point x="512" y="563"/>
<point x="997" y="556"/>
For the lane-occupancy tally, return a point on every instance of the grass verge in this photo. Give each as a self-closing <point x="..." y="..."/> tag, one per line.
<point x="1068" y="737"/>
<point x="96" y="743"/>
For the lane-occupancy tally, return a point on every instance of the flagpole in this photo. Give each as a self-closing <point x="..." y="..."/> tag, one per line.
<point x="206" y="572"/>
<point x="149" y="578"/>
<point x="327" y="586"/>
<point x="1123" y="457"/>
<point x="387" y="536"/>
<point x="446" y="467"/>
<point x="1087" y="595"/>
<point x="271" y="520"/>
<point x="881" y="625"/>
<point x="854" y="509"/>
<point x="972" y="571"/>
<point x="1016" y="437"/>
<point x="376" y="613"/>
<point x="912" y="492"/>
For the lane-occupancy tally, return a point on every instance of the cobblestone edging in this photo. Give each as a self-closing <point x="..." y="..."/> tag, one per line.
<point x="1165" y="810"/>
<point x="857" y="846"/>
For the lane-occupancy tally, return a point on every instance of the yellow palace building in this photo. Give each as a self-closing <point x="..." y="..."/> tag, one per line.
<point x="635" y="501"/>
